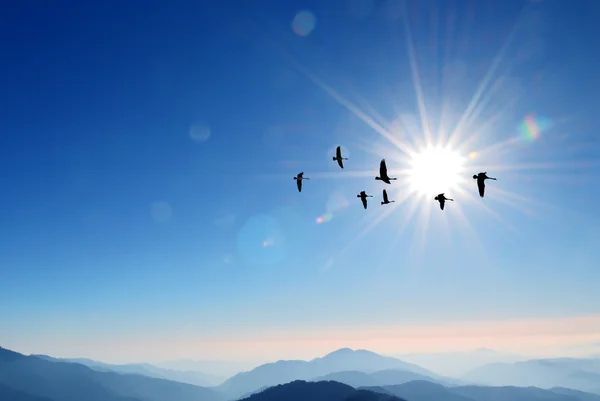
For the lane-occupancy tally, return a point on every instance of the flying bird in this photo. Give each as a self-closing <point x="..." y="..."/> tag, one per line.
<point x="338" y="156"/>
<point x="481" y="177"/>
<point x="299" y="179"/>
<point x="383" y="176"/>
<point x="442" y="199"/>
<point x="385" y="198"/>
<point x="363" y="197"/>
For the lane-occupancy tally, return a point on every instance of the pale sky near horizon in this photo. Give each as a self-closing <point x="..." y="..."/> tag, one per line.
<point x="550" y="337"/>
<point x="147" y="155"/>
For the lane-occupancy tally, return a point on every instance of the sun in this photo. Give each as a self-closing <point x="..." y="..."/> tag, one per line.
<point x="436" y="169"/>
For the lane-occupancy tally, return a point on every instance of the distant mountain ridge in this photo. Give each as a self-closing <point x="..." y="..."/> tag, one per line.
<point x="420" y="390"/>
<point x="66" y="381"/>
<point x="379" y="378"/>
<point x="344" y="359"/>
<point x="458" y="363"/>
<point x="574" y="373"/>
<point x="145" y="369"/>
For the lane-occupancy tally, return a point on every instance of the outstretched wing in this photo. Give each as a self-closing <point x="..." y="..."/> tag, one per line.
<point x="299" y="183"/>
<point x="364" y="201"/>
<point x="382" y="169"/>
<point x="339" y="160"/>
<point x="442" y="202"/>
<point x="338" y="152"/>
<point x="481" y="186"/>
<point x="385" y="198"/>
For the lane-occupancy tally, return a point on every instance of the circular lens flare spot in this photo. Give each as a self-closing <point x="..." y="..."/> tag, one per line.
<point x="435" y="170"/>
<point x="200" y="132"/>
<point x="324" y="218"/>
<point x="304" y="22"/>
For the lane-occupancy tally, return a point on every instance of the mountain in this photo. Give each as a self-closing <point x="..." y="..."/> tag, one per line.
<point x="426" y="391"/>
<point x="421" y="390"/>
<point x="219" y="370"/>
<point x="189" y="377"/>
<point x="379" y="378"/>
<point x="583" y="396"/>
<point x="9" y="394"/>
<point x="62" y="381"/>
<point x="458" y="363"/>
<point x="345" y="359"/>
<point x="511" y="393"/>
<point x="397" y="376"/>
<point x="300" y="390"/>
<point x="575" y="373"/>
<point x="351" y="378"/>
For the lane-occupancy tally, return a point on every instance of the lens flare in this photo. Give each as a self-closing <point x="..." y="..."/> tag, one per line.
<point x="304" y="22"/>
<point x="335" y="202"/>
<point x="324" y="218"/>
<point x="532" y="127"/>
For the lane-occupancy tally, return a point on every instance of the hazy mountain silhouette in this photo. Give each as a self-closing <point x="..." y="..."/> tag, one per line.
<point x="219" y="371"/>
<point x="458" y="363"/>
<point x="345" y="359"/>
<point x="510" y="393"/>
<point x="300" y="390"/>
<point x="9" y="394"/>
<point x="575" y="373"/>
<point x="421" y="390"/>
<point x="583" y="396"/>
<point x="397" y="376"/>
<point x="379" y="378"/>
<point x="352" y="378"/>
<point x="190" y="377"/>
<point x="61" y="381"/>
<point x="426" y="391"/>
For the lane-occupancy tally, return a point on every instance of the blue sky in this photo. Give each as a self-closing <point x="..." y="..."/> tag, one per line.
<point x="117" y="225"/>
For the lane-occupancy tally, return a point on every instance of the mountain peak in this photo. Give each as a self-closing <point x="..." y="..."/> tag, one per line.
<point x="341" y="351"/>
<point x="349" y="352"/>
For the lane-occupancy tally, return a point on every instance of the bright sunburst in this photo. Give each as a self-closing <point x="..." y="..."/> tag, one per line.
<point x="435" y="169"/>
<point x="438" y="147"/>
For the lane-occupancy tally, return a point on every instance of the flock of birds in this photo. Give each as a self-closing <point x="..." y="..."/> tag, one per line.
<point x="383" y="176"/>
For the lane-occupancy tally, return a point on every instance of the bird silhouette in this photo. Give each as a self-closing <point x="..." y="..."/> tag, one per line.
<point x="299" y="179"/>
<point x="338" y="156"/>
<point x="383" y="175"/>
<point x="363" y="197"/>
<point x="481" y="177"/>
<point x="442" y="199"/>
<point x="385" y="198"/>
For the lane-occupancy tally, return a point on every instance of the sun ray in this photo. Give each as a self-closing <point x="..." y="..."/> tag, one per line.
<point x="468" y="232"/>
<point x="412" y="58"/>
<point x="419" y="240"/>
<point x="367" y="229"/>
<point x="538" y="166"/>
<point x="406" y="219"/>
<point x="496" y="216"/>
<point x="487" y="125"/>
<point x="412" y="137"/>
<point x="511" y="196"/>
<point x="484" y="83"/>
<point x="287" y="55"/>
<point x="335" y="95"/>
